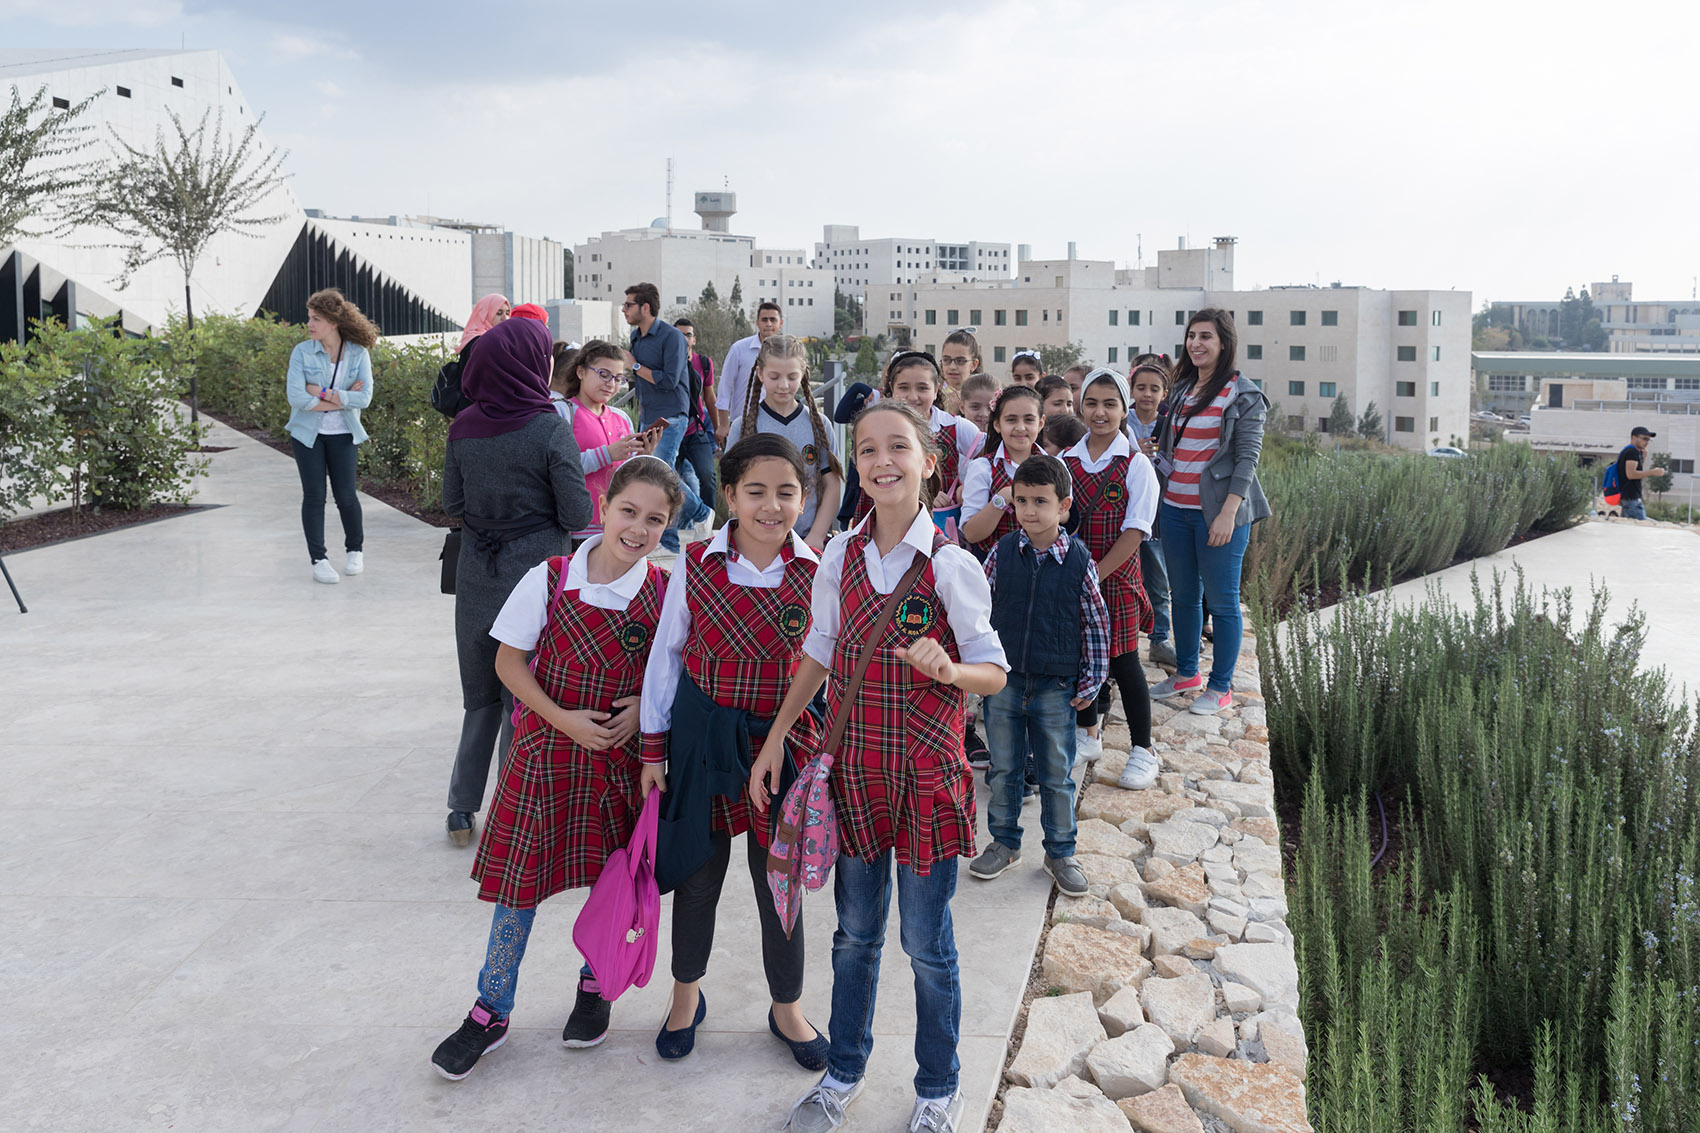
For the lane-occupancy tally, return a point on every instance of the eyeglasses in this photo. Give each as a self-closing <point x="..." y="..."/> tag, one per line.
<point x="627" y="303"/>
<point x="606" y="375"/>
<point x="961" y="360"/>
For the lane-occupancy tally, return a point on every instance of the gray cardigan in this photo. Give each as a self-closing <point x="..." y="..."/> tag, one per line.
<point x="1233" y="470"/>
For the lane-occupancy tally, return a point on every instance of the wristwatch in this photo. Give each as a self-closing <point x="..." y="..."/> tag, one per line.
<point x="999" y="502"/>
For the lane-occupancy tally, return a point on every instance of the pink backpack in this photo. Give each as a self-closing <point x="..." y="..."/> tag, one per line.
<point x="805" y="833"/>
<point x="617" y="928"/>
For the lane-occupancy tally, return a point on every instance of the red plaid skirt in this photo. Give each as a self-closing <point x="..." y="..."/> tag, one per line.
<point x="1101" y="498"/>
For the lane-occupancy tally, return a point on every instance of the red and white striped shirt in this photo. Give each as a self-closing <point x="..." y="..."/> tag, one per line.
<point x="1196" y="440"/>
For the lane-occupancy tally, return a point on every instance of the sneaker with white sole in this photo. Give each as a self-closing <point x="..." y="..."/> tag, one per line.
<point x="936" y="1115"/>
<point x="821" y="1109"/>
<point x="1070" y="878"/>
<point x="1140" y="773"/>
<point x="1174" y="686"/>
<point x="1210" y="702"/>
<point x="324" y="572"/>
<point x="480" y="1033"/>
<point x="1087" y="746"/>
<point x="1162" y="653"/>
<point x="356" y="562"/>
<point x="994" y="862"/>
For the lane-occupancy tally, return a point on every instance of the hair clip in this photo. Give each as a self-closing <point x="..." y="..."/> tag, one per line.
<point x="903" y="355"/>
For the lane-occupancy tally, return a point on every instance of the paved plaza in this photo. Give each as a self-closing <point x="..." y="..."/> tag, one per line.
<point x="227" y="901"/>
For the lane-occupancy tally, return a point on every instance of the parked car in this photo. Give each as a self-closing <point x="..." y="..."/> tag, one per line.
<point x="1448" y="451"/>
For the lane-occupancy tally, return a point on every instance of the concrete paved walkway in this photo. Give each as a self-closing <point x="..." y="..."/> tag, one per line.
<point x="227" y="901"/>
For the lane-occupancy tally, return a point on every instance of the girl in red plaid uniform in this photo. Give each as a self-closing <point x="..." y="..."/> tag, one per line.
<point x="731" y="632"/>
<point x="988" y="509"/>
<point x="912" y="378"/>
<point x="1115" y="496"/>
<point x="903" y="792"/>
<point x="568" y="793"/>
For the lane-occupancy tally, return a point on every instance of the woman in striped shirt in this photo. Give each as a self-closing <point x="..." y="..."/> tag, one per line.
<point x="1211" y="438"/>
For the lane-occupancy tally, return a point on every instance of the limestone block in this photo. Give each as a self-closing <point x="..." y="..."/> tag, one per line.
<point x="1170" y="929"/>
<point x="1254" y="715"/>
<point x="1162" y="713"/>
<point x="1239" y="998"/>
<point x="1048" y="1111"/>
<point x="1233" y="729"/>
<point x="1194" y="763"/>
<point x="1060" y="1030"/>
<point x="1217" y="1037"/>
<point x="1254" y="799"/>
<point x="1221" y="852"/>
<point x="1233" y="906"/>
<point x="1227" y="924"/>
<point x="1180" y="1006"/>
<point x="1129" y="899"/>
<point x="1224" y="885"/>
<point x="1181" y="842"/>
<point x="1161" y="1111"/>
<point x="1077" y="1087"/>
<point x="1171" y="966"/>
<point x="1262" y="884"/>
<point x="1185" y="724"/>
<point x="1268" y="909"/>
<point x="1203" y="814"/>
<point x="1140" y="934"/>
<point x="1171" y="781"/>
<point x="1250" y="1097"/>
<point x="1267" y="969"/>
<point x="1203" y="947"/>
<point x="1286" y="1050"/>
<point x="1261" y="932"/>
<point x="1260" y="858"/>
<point x="1116" y="806"/>
<point x="1087" y="910"/>
<point x="1121" y="1013"/>
<point x="1185" y="888"/>
<point x="1258" y="773"/>
<point x="1094" y="960"/>
<point x="1104" y="873"/>
<point x="1095" y="836"/>
<point x="1132" y="1064"/>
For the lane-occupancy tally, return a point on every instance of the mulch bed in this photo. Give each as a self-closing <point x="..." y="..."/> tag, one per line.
<point x="61" y="524"/>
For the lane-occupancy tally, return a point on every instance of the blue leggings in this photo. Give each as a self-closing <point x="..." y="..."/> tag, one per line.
<point x="498" y="980"/>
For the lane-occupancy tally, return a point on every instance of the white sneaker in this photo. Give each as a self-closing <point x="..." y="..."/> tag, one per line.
<point x="1141" y="771"/>
<point x="1086" y="746"/>
<point x="356" y="563"/>
<point x="936" y="1115"/>
<point x="821" y="1109"/>
<point x="324" y="572"/>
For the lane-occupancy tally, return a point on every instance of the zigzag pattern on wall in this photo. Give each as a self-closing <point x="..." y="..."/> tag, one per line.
<point x="316" y="262"/>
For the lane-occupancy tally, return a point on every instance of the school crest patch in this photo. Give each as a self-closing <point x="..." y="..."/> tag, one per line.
<point x="793" y="619"/>
<point x="809" y="455"/>
<point x="634" y="637"/>
<point x="915" y="616"/>
<point x="1115" y="491"/>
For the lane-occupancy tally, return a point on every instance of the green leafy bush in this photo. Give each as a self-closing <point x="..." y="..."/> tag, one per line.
<point x="92" y="417"/>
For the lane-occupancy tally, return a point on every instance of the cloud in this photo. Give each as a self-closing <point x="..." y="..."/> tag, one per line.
<point x="94" y="13"/>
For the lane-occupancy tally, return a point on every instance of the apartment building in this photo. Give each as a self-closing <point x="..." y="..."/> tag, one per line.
<point x="857" y="263"/>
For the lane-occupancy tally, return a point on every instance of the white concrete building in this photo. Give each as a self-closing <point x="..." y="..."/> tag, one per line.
<point x="580" y="320"/>
<point x="1632" y="326"/>
<point x="859" y="264"/>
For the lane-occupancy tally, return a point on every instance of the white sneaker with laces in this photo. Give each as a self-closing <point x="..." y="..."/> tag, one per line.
<point x="1087" y="746"/>
<point x="356" y="562"/>
<point x="324" y="572"/>
<point x="1140" y="774"/>
<point x="936" y="1115"/>
<point x="821" y="1109"/>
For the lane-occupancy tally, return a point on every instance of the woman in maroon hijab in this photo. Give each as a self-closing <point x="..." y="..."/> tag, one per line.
<point x="512" y="478"/>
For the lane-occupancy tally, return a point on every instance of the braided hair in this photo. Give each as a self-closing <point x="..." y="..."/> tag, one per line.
<point x="785" y="347"/>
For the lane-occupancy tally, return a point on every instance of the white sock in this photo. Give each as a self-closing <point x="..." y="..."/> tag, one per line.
<point x="832" y="1083"/>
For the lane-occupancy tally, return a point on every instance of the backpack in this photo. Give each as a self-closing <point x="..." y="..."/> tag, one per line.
<point x="446" y="395"/>
<point x="805" y="840"/>
<point x="1609" y="486"/>
<point x="616" y="931"/>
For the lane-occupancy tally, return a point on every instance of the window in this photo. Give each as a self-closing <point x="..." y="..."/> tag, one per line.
<point x="1296" y="318"/>
<point x="1434" y="389"/>
<point x="1180" y="318"/>
<point x="1254" y="318"/>
<point x="1295" y="354"/>
<point x="1254" y="353"/>
<point x="1685" y="467"/>
<point x="1021" y="318"/>
<point x="123" y="92"/>
<point x="998" y="353"/>
<point x="1434" y="424"/>
<point x="952" y="317"/>
<point x="1434" y="319"/>
<point x="1507" y="383"/>
<point x="1404" y="424"/>
<point x="679" y="300"/>
<point x="175" y="81"/>
<point x="61" y="104"/>
<point x="1687" y="383"/>
<point x="1322" y="424"/>
<point x="1404" y="389"/>
<point x="1133" y="318"/>
<point x="1295" y="423"/>
<point x="1407" y="354"/>
<point x="1114" y="315"/>
<point x="1331" y="318"/>
<point x="932" y="318"/>
<point x="1112" y="349"/>
<point x="1330" y="354"/>
<point x="1644" y="383"/>
<point x="1000" y="318"/>
<point x="1295" y="389"/>
<point x="1407" y="319"/>
<point x="1326" y="389"/>
<point x="974" y="317"/>
<point x="1434" y="355"/>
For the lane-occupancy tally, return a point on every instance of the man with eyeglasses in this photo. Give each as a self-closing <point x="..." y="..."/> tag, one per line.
<point x="660" y="359"/>
<point x="740" y="360"/>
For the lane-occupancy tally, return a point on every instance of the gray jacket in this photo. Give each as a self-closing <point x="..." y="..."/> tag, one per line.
<point x="1233" y="470"/>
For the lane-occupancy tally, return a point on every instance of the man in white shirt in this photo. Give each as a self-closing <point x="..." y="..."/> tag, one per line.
<point x="734" y="383"/>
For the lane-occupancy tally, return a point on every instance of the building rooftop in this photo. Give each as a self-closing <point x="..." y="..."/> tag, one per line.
<point x="16" y="62"/>
<point x="1545" y="364"/>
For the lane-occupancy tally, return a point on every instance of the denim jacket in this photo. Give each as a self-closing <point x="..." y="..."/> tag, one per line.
<point x="1233" y="470"/>
<point x="310" y="365"/>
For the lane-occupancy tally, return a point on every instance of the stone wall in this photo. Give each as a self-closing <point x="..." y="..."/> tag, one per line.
<point x="1173" y="994"/>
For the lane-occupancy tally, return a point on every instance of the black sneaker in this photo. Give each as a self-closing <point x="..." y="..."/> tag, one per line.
<point x="460" y="827"/>
<point x="480" y="1034"/>
<point x="975" y="749"/>
<point x="587" y="1026"/>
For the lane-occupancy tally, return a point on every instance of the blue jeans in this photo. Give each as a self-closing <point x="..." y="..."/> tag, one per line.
<point x="1032" y="713"/>
<point x="1156" y="586"/>
<point x="667" y="449"/>
<point x="863" y="894"/>
<point x="1635" y="509"/>
<point x="1199" y="572"/>
<point x="334" y="455"/>
<point x="498" y="980"/>
<point x="696" y="464"/>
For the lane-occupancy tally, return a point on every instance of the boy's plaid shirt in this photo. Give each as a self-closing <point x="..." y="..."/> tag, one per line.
<point x="1094" y="615"/>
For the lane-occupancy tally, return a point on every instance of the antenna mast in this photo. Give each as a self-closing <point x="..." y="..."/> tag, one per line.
<point x="669" y="195"/>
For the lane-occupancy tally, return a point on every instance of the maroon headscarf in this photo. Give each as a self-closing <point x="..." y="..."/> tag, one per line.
<point x="507" y="379"/>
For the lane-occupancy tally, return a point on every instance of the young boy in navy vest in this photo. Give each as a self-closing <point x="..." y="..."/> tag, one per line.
<point x="1055" y="628"/>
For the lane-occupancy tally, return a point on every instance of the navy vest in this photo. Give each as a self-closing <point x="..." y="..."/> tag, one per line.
<point x="1036" y="608"/>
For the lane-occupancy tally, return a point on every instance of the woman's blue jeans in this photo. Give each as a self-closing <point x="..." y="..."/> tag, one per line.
<point x="863" y="893"/>
<point x="1198" y="571"/>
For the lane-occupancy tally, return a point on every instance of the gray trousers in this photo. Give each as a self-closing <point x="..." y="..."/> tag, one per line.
<point x="483" y="732"/>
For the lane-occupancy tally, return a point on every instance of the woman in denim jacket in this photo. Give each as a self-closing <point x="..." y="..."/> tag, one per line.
<point x="330" y="382"/>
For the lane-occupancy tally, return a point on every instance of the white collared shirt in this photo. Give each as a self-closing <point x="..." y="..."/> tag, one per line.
<point x="977" y="481"/>
<point x="957" y="576"/>
<point x="666" y="653"/>
<point x="1142" y="489"/>
<point x="525" y="615"/>
<point x="968" y="435"/>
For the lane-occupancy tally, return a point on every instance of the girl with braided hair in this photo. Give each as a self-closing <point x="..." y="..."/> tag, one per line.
<point x="780" y="401"/>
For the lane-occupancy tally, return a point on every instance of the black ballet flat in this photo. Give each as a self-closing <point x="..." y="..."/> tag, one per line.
<point x="810" y="1055"/>
<point x="674" y="1045"/>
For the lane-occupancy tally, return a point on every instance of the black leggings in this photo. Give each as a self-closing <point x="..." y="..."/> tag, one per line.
<point x="694" y="904"/>
<point x="1129" y="675"/>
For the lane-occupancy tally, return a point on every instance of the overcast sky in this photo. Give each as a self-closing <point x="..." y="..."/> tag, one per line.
<point x="1508" y="149"/>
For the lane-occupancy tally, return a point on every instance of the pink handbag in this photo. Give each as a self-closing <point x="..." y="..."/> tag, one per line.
<point x="617" y="928"/>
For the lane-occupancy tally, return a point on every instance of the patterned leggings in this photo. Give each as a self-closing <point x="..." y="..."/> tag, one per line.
<point x="498" y="980"/>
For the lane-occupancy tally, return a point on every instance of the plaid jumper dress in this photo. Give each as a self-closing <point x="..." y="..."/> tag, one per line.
<point x="901" y="781"/>
<point x="1006" y="522"/>
<point x="742" y="651"/>
<point x="560" y="810"/>
<point x="1101" y="499"/>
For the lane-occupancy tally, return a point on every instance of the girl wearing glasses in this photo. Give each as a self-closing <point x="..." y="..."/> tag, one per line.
<point x="584" y="382"/>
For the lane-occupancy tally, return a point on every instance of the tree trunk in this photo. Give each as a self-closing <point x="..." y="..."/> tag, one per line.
<point x="194" y="379"/>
